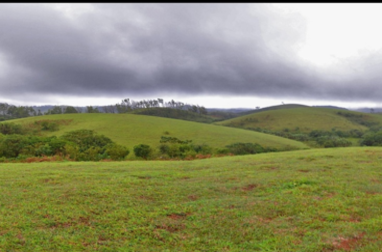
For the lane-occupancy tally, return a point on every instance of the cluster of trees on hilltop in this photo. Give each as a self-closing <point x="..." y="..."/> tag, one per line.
<point x="8" y="111"/>
<point x="128" y="105"/>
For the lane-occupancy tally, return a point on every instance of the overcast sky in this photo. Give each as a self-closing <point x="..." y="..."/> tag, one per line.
<point x="214" y="55"/>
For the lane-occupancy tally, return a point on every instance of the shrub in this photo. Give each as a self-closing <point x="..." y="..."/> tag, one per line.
<point x="116" y="151"/>
<point x="202" y="149"/>
<point x="245" y="148"/>
<point x="372" y="139"/>
<point x="86" y="139"/>
<point x="175" y="148"/>
<point x="57" y="145"/>
<point x="142" y="150"/>
<point x="49" y="126"/>
<point x="222" y="151"/>
<point x="72" y="151"/>
<point x="300" y="137"/>
<point x="44" y="150"/>
<point x="93" y="153"/>
<point x="333" y="141"/>
<point x="11" y="128"/>
<point x="11" y="146"/>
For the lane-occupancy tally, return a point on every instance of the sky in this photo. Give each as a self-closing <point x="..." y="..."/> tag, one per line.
<point x="227" y="55"/>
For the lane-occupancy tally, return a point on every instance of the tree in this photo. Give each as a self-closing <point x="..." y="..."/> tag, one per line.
<point x="142" y="150"/>
<point x="193" y="108"/>
<point x="90" y="109"/>
<point x="70" y="110"/>
<point x="109" y="109"/>
<point x="202" y="110"/>
<point x="160" y="101"/>
<point x="116" y="151"/>
<point x="4" y="108"/>
<point x="54" y="110"/>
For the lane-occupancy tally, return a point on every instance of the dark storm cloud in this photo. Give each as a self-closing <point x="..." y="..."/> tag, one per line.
<point x="117" y="50"/>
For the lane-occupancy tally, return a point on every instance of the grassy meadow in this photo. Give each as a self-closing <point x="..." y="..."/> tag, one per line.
<point x="130" y="130"/>
<point x="307" y="200"/>
<point x="305" y="119"/>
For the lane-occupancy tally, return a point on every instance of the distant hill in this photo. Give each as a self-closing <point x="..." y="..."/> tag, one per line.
<point x="229" y="110"/>
<point x="367" y="110"/>
<point x="286" y="106"/>
<point x="330" y="107"/>
<point x="305" y="119"/>
<point x="133" y="129"/>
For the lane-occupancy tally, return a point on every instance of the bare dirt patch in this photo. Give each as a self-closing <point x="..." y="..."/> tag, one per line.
<point x="348" y="243"/>
<point x="249" y="187"/>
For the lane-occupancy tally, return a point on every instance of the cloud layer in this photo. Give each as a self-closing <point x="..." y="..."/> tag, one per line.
<point x="120" y="50"/>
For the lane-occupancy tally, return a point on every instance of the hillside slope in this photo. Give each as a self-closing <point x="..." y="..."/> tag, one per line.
<point x="305" y="119"/>
<point x="130" y="130"/>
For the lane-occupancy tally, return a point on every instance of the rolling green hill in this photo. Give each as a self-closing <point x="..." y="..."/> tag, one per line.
<point x="130" y="130"/>
<point x="305" y="119"/>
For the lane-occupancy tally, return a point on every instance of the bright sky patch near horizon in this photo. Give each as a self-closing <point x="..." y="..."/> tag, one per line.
<point x="213" y="55"/>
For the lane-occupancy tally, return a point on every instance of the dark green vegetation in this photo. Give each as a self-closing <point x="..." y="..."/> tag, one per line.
<point x="311" y="200"/>
<point x="78" y="145"/>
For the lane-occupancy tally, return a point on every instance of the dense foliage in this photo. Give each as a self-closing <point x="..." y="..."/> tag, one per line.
<point x="142" y="150"/>
<point x="247" y="148"/>
<point x="372" y="139"/>
<point x="79" y="145"/>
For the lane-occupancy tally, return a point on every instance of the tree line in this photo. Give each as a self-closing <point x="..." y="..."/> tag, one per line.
<point x="128" y="105"/>
<point x="8" y="111"/>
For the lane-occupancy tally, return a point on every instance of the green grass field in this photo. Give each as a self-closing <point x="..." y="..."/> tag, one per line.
<point x="175" y="113"/>
<point x="309" y="200"/>
<point x="130" y="130"/>
<point x="305" y="119"/>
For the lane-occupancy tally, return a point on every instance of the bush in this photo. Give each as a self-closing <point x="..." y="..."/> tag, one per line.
<point x="44" y="150"/>
<point x="299" y="137"/>
<point x="182" y="149"/>
<point x="72" y="151"/>
<point x="142" y="150"/>
<point x="333" y="141"/>
<point x="372" y="139"/>
<point x="202" y="149"/>
<point x="222" y="151"/>
<point x="93" y="153"/>
<point x="116" y="151"/>
<point x="86" y="139"/>
<point x="49" y="126"/>
<point x="11" y="128"/>
<point x="245" y="148"/>
<point x="11" y="146"/>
